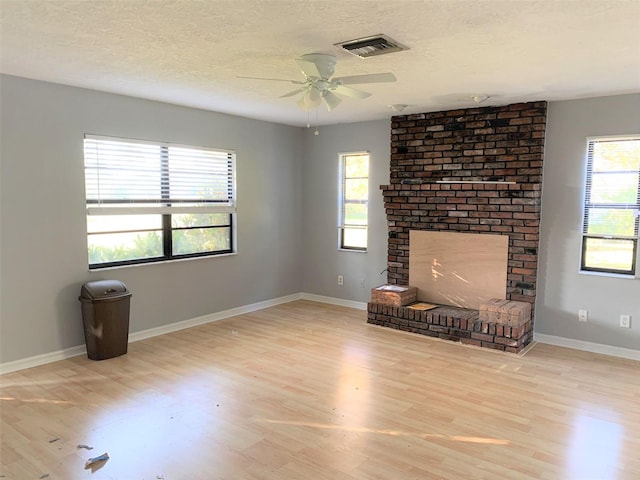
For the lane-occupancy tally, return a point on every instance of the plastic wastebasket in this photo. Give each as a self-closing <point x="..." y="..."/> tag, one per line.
<point x="105" y="315"/>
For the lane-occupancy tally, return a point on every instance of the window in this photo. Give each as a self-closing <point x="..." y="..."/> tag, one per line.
<point x="612" y="205"/>
<point x="149" y="202"/>
<point x="353" y="201"/>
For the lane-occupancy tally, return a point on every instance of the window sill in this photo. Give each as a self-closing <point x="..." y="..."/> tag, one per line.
<point x="351" y="250"/>
<point x="160" y="262"/>
<point x="607" y="274"/>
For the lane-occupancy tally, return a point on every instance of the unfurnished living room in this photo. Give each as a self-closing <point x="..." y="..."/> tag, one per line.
<point x="295" y="239"/>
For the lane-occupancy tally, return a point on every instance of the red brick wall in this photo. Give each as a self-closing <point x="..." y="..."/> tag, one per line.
<point x="478" y="144"/>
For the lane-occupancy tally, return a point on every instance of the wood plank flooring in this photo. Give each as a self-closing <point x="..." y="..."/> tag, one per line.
<point x="307" y="390"/>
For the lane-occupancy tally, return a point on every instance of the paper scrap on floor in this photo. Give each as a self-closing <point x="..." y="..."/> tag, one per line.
<point x="96" y="460"/>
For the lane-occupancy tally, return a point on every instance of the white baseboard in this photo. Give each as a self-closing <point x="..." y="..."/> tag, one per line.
<point x="211" y="317"/>
<point x="333" y="301"/>
<point x="587" y="346"/>
<point x="63" y="354"/>
<point x="45" y="358"/>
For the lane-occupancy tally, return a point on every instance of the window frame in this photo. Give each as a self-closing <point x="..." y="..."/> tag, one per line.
<point x="589" y="205"/>
<point x="342" y="201"/>
<point x="164" y="206"/>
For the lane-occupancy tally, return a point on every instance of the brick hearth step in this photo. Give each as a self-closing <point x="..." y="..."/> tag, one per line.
<point x="453" y="323"/>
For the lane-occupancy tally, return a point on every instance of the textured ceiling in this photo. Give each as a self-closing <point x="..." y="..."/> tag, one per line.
<point x="190" y="52"/>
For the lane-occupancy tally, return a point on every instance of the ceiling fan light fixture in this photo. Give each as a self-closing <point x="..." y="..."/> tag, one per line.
<point x="311" y="99"/>
<point x="370" y="46"/>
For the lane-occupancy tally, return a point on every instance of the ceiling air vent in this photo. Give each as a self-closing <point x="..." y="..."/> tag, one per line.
<point x="370" y="46"/>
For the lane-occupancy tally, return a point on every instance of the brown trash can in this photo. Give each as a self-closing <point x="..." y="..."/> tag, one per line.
<point x="105" y="315"/>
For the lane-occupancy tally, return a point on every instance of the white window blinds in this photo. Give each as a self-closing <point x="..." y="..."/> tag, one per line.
<point x="136" y="177"/>
<point x="612" y="204"/>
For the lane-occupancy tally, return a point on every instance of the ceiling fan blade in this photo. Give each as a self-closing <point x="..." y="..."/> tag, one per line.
<point x="331" y="99"/>
<point x="350" y="92"/>
<point x="310" y="69"/>
<point x="369" y="78"/>
<point x="297" y="82"/>
<point x="319" y="65"/>
<point x="295" y="92"/>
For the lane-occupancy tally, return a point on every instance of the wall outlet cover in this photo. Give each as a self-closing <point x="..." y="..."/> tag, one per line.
<point x="625" y="321"/>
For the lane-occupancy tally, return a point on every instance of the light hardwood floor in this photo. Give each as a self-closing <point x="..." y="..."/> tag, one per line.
<point x="310" y="391"/>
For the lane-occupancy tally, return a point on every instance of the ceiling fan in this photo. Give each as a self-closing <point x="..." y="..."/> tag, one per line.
<point x="321" y="87"/>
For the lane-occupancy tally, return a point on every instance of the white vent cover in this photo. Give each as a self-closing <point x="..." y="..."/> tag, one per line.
<point x="370" y="46"/>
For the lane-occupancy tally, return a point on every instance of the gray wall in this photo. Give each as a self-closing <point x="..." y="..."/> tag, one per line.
<point x="43" y="236"/>
<point x="562" y="290"/>
<point x="287" y="209"/>
<point x="322" y="261"/>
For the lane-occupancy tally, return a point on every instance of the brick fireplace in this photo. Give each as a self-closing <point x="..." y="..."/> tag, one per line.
<point x="475" y="170"/>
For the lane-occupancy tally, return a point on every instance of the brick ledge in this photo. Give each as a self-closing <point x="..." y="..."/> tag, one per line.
<point x="452" y="323"/>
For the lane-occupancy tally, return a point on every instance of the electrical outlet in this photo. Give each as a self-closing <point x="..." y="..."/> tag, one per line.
<point x="583" y="315"/>
<point x="625" y="321"/>
<point x="363" y="283"/>
<point x="340" y="280"/>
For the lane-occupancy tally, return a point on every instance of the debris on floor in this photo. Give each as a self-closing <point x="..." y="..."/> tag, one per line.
<point x="44" y="475"/>
<point x="96" y="462"/>
<point x="54" y="440"/>
<point x="86" y="447"/>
